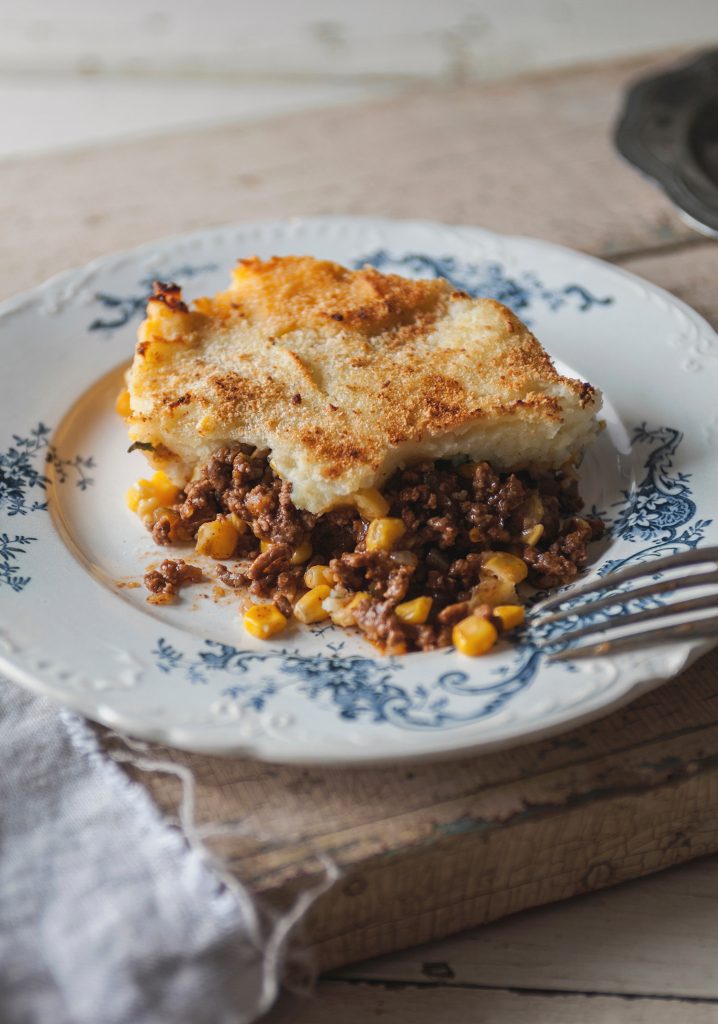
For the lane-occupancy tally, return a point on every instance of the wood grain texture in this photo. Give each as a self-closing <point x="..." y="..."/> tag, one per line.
<point x="320" y="39"/>
<point x="365" y="1003"/>
<point x="656" y="936"/>
<point x="532" y="157"/>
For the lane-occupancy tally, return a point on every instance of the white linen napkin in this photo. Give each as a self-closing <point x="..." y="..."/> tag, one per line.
<point x="107" y="916"/>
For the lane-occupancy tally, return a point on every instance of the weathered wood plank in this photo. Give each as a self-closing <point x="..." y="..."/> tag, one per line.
<point x="632" y="746"/>
<point x="654" y="936"/>
<point x="362" y="1004"/>
<point x="533" y="156"/>
<point x="430" y="849"/>
<point x="318" y="38"/>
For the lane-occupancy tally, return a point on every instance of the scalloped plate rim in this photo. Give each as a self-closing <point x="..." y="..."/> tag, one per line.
<point x="191" y="739"/>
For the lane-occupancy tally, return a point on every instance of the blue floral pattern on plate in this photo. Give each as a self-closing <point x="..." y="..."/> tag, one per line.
<point x="22" y="491"/>
<point x="121" y="309"/>
<point x="488" y="279"/>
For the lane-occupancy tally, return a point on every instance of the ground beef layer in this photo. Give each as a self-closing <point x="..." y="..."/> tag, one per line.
<point x="455" y="518"/>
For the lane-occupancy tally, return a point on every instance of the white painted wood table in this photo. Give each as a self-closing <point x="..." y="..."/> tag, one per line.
<point x="532" y="157"/>
<point x="645" y="952"/>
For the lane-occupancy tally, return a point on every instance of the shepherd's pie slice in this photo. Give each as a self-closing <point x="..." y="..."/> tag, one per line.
<point x="346" y="375"/>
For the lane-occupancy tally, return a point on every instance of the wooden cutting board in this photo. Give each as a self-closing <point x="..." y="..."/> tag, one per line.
<point x="426" y="850"/>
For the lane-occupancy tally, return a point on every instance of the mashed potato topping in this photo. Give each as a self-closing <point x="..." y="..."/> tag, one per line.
<point x="345" y="376"/>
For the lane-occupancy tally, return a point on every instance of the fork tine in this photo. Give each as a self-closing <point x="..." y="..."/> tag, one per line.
<point x="631" y="572"/>
<point x="693" y="604"/>
<point x="659" y="587"/>
<point x="683" y="630"/>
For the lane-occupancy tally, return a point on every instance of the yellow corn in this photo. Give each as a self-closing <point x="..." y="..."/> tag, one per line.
<point x="163" y="487"/>
<point x="511" y="615"/>
<point x="146" y="508"/>
<point x="533" y="536"/>
<point x="507" y="567"/>
<point x="217" y="539"/>
<point x="494" y="591"/>
<point x="239" y="524"/>
<point x="475" y="534"/>
<point x="317" y="575"/>
<point x="132" y="498"/>
<point x="122" y="405"/>
<point x="148" y="495"/>
<point x="309" y="607"/>
<point x="383" y="534"/>
<point x="360" y="596"/>
<point x="474" y="636"/>
<point x="263" y="621"/>
<point x="371" y="503"/>
<point x="302" y="554"/>
<point x="344" y="616"/>
<point x="416" y="611"/>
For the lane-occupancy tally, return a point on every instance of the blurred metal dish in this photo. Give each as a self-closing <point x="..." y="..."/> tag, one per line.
<point x="669" y="130"/>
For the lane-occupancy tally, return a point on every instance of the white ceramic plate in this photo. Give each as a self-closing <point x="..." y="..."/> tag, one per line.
<point x="189" y="675"/>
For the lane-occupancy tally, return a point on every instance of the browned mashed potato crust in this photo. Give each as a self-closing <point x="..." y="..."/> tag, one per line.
<point x="347" y="375"/>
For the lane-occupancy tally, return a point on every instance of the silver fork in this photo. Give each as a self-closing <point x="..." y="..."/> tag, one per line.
<point x="704" y="565"/>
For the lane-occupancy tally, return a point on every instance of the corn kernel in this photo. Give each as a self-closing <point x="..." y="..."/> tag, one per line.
<point x="173" y="526"/>
<point x="146" y="507"/>
<point x="475" y="534"/>
<point x="217" y="539"/>
<point x="371" y="503"/>
<point x="301" y="554"/>
<point x="148" y="495"/>
<point x="122" y="405"/>
<point x="309" y="607"/>
<point x="239" y="524"/>
<point x="383" y="534"/>
<point x="317" y="575"/>
<point x="507" y="567"/>
<point x="533" y="536"/>
<point x="132" y="498"/>
<point x="474" y="636"/>
<point x="263" y="621"/>
<point x="344" y="614"/>
<point x="494" y="591"/>
<point x="467" y="470"/>
<point x="360" y="596"/>
<point x="511" y="615"/>
<point x="414" y="612"/>
<point x="163" y="487"/>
